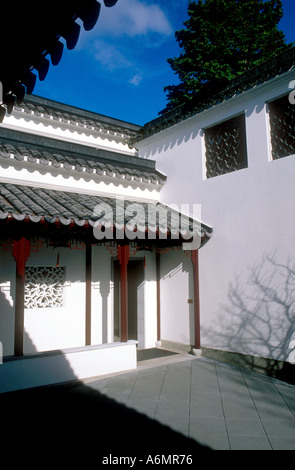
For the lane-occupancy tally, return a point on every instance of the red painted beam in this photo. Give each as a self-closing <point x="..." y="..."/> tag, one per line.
<point x="195" y="260"/>
<point x="123" y="256"/>
<point x="21" y="252"/>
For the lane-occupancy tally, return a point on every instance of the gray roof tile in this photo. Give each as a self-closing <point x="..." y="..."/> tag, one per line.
<point x="44" y="156"/>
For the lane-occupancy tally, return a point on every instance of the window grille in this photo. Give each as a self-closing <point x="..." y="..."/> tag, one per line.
<point x="282" y="127"/>
<point x="226" y="149"/>
<point x="44" y="287"/>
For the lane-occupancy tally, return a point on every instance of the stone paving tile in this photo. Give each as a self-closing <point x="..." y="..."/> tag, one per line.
<point x="249" y="443"/>
<point x="280" y="427"/>
<point x="215" y="441"/>
<point x="207" y="424"/>
<point x="269" y="410"/>
<point x="143" y="405"/>
<point x="233" y="410"/>
<point x="177" y="421"/>
<point x="282" y="443"/>
<point x="245" y="427"/>
<point x="206" y="405"/>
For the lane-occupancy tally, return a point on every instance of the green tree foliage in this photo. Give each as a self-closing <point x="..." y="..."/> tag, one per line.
<point x="222" y="39"/>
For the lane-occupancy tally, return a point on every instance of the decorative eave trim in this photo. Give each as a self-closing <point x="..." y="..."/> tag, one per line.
<point x="105" y="175"/>
<point x="87" y="127"/>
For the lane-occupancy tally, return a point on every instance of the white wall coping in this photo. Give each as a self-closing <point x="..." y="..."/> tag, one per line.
<point x="58" y="366"/>
<point x="55" y="352"/>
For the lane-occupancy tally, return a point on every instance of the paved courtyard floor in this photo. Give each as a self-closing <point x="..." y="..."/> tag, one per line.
<point x="175" y="404"/>
<point x="218" y="405"/>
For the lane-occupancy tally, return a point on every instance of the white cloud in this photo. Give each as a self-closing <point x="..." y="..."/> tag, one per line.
<point x="136" y="79"/>
<point x="133" y="18"/>
<point x="111" y="59"/>
<point x="123" y="38"/>
<point x="109" y="56"/>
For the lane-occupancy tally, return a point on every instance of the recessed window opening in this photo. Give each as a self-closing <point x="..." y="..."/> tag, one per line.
<point x="226" y="149"/>
<point x="282" y="127"/>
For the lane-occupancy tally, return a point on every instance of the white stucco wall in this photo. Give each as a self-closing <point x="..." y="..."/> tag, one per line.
<point x="58" y="327"/>
<point x="246" y="297"/>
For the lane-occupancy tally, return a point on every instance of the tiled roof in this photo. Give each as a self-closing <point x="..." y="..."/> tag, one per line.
<point x="32" y="30"/>
<point x="208" y="97"/>
<point x="21" y="201"/>
<point x="70" y="161"/>
<point x="25" y="203"/>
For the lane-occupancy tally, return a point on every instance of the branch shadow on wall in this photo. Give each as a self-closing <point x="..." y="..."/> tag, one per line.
<point x="259" y="320"/>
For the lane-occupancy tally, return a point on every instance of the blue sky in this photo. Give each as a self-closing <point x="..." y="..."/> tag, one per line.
<point x="120" y="68"/>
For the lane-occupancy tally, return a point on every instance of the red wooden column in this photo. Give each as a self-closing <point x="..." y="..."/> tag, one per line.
<point x="123" y="257"/>
<point x="21" y="252"/>
<point x="195" y="260"/>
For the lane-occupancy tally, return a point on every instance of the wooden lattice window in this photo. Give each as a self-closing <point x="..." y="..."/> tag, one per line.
<point x="44" y="287"/>
<point x="226" y="149"/>
<point x="282" y="127"/>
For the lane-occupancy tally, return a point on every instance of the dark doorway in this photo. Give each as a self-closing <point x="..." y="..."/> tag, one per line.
<point x="135" y="278"/>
